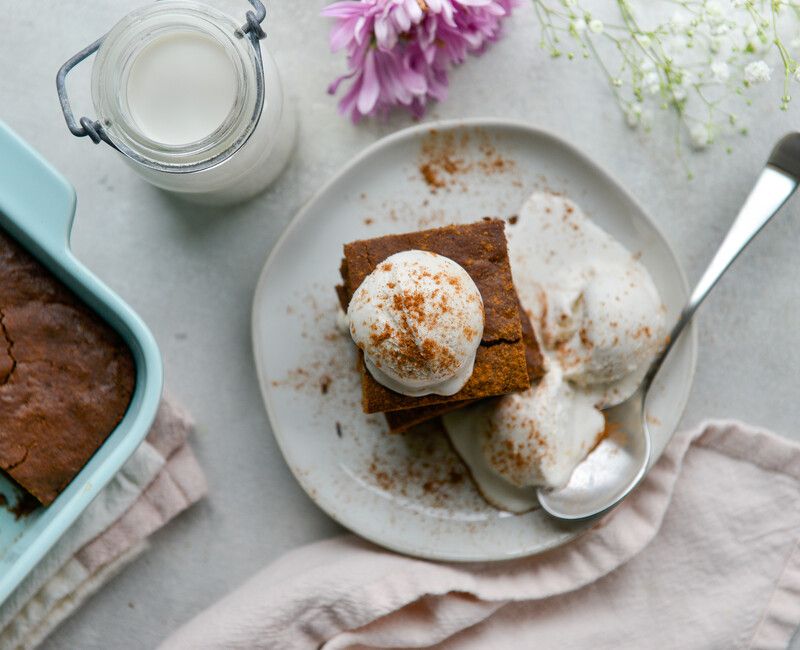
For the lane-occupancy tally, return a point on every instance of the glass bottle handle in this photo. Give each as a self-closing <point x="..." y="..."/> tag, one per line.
<point x="86" y="126"/>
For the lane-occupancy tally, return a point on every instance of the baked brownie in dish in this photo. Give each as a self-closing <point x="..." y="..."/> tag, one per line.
<point x="480" y="249"/>
<point x="66" y="377"/>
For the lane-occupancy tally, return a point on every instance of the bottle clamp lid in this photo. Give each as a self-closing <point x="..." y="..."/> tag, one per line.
<point x="95" y="130"/>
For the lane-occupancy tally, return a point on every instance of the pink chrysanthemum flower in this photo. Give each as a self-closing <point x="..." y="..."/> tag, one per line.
<point x="399" y="51"/>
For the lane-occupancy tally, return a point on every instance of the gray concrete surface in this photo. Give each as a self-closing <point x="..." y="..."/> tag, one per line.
<point x="191" y="273"/>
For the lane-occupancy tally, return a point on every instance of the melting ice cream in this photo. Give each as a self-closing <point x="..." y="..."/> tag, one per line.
<point x="600" y="320"/>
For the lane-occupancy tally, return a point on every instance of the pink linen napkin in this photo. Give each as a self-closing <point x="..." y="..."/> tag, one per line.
<point x="707" y="561"/>
<point x="159" y="481"/>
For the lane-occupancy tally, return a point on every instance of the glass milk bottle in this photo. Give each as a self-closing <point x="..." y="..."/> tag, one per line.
<point x="185" y="93"/>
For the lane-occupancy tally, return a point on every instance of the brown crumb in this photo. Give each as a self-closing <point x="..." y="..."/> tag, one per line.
<point x="324" y="384"/>
<point x="431" y="176"/>
<point x="339" y="429"/>
<point x="24" y="506"/>
<point x="513" y="219"/>
<point x="368" y="221"/>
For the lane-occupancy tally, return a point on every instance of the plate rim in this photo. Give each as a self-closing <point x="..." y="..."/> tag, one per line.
<point x="368" y="151"/>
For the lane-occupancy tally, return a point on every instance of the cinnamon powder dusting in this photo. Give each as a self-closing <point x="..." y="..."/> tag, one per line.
<point x="406" y="349"/>
<point x="431" y="176"/>
<point x="325" y="384"/>
<point x="447" y="157"/>
<point x="428" y="468"/>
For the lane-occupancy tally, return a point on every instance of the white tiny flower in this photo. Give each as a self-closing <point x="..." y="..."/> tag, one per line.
<point x="569" y="3"/>
<point x="679" y="21"/>
<point x="714" y="10"/>
<point x="795" y="44"/>
<point x="616" y="82"/>
<point x="651" y="82"/>
<point x="646" y="65"/>
<point x="642" y="39"/>
<point x="579" y="25"/>
<point x="679" y="93"/>
<point x="596" y="25"/>
<point x="720" y="71"/>
<point x="700" y="136"/>
<point x="797" y="73"/>
<point x="756" y="72"/>
<point x="633" y="114"/>
<point x="721" y="29"/>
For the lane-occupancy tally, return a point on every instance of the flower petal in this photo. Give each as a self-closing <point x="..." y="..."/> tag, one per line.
<point x="344" y="9"/>
<point x="370" y="88"/>
<point x="341" y="35"/>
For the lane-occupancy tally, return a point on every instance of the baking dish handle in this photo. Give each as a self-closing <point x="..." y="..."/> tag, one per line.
<point x="37" y="204"/>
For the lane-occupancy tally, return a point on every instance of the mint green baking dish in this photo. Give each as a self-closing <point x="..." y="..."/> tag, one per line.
<point x="37" y="207"/>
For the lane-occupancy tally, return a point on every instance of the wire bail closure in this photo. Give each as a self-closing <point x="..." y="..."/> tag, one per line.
<point x="94" y="129"/>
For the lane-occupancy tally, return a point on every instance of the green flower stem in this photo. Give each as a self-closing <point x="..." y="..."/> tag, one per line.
<point x="650" y="67"/>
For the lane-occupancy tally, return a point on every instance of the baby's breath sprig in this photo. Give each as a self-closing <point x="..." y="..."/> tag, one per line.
<point x="695" y="59"/>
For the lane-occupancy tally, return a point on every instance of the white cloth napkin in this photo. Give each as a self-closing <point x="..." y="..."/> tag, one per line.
<point x="703" y="555"/>
<point x="161" y="479"/>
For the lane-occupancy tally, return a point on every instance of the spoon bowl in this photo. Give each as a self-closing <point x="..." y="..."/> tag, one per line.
<point x="619" y="463"/>
<point x="611" y="470"/>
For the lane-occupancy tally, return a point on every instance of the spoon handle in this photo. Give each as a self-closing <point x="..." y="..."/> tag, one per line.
<point x="774" y="186"/>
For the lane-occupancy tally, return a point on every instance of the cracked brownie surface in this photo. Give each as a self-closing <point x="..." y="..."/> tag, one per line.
<point x="66" y="377"/>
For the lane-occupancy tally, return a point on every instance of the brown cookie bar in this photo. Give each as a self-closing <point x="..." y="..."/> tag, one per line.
<point x="480" y="248"/>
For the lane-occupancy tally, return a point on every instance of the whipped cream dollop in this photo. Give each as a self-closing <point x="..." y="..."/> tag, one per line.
<point x="527" y="439"/>
<point x="418" y="318"/>
<point x="593" y="303"/>
<point x="600" y="321"/>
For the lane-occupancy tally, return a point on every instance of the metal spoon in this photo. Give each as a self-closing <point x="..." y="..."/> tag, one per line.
<point x="620" y="462"/>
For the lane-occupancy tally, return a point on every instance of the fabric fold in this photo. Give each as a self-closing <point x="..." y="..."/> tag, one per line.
<point x="702" y="555"/>
<point x="159" y="481"/>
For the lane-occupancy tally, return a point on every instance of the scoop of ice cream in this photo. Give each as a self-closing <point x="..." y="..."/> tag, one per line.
<point x="609" y="328"/>
<point x="533" y="438"/>
<point x="600" y="320"/>
<point x="539" y="436"/>
<point x="595" y="306"/>
<point x="418" y="318"/>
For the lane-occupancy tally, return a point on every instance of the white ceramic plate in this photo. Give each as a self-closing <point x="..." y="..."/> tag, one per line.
<point x="410" y="493"/>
